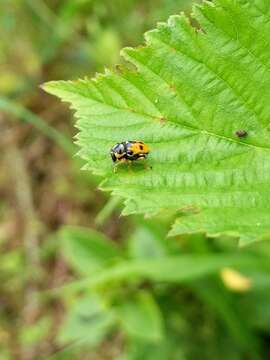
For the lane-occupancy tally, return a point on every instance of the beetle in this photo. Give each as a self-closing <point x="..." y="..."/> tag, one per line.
<point x="128" y="151"/>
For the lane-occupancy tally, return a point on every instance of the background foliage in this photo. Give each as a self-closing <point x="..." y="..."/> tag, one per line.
<point x="123" y="290"/>
<point x="186" y="100"/>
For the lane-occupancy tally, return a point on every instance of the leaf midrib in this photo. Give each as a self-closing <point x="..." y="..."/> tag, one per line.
<point x="188" y="127"/>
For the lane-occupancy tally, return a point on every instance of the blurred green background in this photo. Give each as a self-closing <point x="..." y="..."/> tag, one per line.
<point x="77" y="280"/>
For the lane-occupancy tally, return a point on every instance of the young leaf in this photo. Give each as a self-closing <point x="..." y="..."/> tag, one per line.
<point x="147" y="241"/>
<point x="87" y="250"/>
<point x="86" y="321"/>
<point x="141" y="318"/>
<point x="191" y="93"/>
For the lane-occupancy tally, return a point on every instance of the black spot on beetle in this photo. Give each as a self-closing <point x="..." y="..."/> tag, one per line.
<point x="141" y="147"/>
<point x="241" y="133"/>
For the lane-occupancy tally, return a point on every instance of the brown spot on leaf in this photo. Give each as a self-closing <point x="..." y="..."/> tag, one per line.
<point x="190" y="209"/>
<point x="172" y="88"/>
<point x="162" y="120"/>
<point x="241" y="133"/>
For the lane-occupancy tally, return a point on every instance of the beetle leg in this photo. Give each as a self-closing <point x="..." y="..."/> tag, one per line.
<point x="115" y="168"/>
<point x="146" y="166"/>
<point x="130" y="166"/>
<point x="120" y="161"/>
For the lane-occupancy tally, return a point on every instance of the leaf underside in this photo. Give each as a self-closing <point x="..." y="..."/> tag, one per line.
<point x="192" y="89"/>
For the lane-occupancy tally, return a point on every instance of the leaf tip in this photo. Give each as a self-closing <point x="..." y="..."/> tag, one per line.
<point x="51" y="87"/>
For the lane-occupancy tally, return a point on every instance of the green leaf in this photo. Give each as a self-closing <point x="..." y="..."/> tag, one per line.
<point x="141" y="318"/>
<point x="193" y="88"/>
<point x="147" y="241"/>
<point x="86" y="321"/>
<point x="87" y="250"/>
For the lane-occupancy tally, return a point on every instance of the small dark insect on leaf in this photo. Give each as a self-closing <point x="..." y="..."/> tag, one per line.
<point x="241" y="133"/>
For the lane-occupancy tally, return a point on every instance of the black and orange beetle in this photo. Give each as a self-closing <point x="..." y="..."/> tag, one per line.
<point x="128" y="151"/>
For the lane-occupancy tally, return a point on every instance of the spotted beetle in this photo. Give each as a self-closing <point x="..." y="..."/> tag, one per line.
<point x="128" y="151"/>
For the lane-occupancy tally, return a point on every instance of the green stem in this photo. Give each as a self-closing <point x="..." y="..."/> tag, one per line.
<point x="107" y="210"/>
